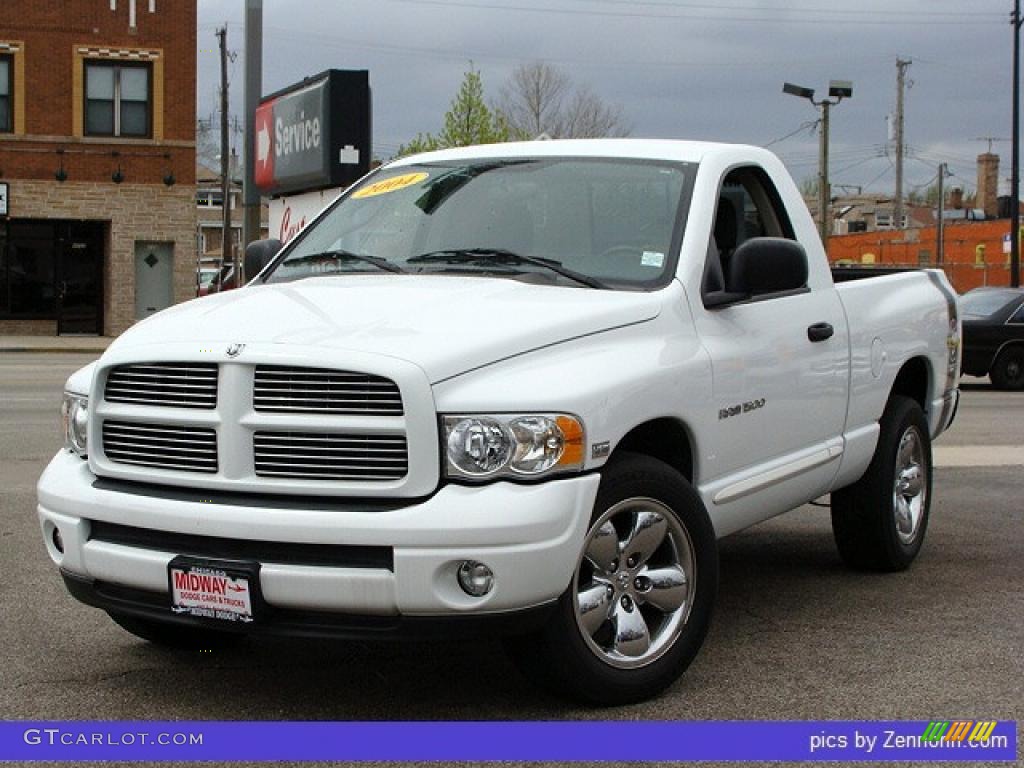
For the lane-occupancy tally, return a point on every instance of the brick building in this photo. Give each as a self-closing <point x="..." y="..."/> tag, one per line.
<point x="210" y="211"/>
<point x="97" y="154"/>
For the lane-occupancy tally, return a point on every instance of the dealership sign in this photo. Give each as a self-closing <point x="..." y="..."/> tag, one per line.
<point x="289" y="214"/>
<point x="314" y="134"/>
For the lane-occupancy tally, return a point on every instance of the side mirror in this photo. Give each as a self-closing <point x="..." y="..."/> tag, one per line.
<point x="258" y="254"/>
<point x="767" y="265"/>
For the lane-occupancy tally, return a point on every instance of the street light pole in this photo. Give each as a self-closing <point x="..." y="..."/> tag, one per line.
<point x="1015" y="160"/>
<point x="253" y="90"/>
<point x="824" y="194"/>
<point x="838" y="90"/>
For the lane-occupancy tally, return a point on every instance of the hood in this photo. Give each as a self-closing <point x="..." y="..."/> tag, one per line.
<point x="444" y="324"/>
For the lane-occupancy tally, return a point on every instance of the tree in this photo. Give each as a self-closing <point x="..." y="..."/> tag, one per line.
<point x="809" y="187"/>
<point x="540" y="99"/>
<point x="587" y="117"/>
<point x="468" y="121"/>
<point x="532" y="98"/>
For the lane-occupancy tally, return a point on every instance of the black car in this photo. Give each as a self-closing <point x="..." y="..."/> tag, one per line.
<point x="993" y="335"/>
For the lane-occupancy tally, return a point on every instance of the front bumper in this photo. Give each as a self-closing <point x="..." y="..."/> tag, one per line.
<point x="319" y="558"/>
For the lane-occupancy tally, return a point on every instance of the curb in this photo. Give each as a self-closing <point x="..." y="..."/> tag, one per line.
<point x="53" y="350"/>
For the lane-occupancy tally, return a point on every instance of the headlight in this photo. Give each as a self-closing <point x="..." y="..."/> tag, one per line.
<point x="486" y="446"/>
<point x="74" y="412"/>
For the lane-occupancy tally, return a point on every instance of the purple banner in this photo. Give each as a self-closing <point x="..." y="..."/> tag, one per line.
<point x="877" y="741"/>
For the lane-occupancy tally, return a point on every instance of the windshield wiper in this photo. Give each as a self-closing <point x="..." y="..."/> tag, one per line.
<point x="506" y="257"/>
<point x="339" y="254"/>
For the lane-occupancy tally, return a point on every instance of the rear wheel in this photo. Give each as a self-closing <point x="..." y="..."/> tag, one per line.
<point x="1008" y="369"/>
<point x="172" y="635"/>
<point x="879" y="522"/>
<point x="639" y="604"/>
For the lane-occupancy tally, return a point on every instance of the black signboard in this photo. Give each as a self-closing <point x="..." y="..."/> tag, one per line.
<point x="314" y="134"/>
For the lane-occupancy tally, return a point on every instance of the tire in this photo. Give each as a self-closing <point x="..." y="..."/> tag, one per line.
<point x="639" y="604"/>
<point x="879" y="522"/>
<point x="170" y="635"/>
<point x="1008" y="369"/>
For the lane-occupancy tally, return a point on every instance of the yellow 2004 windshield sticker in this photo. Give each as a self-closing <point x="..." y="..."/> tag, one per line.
<point x="390" y="185"/>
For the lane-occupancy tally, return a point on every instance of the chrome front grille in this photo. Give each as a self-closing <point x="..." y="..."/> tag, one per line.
<point x="290" y="389"/>
<point x="171" y="385"/>
<point x="328" y="456"/>
<point x="353" y="426"/>
<point x="161" y="446"/>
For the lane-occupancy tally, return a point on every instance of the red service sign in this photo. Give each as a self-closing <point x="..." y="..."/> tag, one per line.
<point x="263" y="169"/>
<point x="314" y="134"/>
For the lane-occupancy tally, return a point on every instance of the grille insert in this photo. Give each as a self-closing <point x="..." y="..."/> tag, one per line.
<point x="192" y="449"/>
<point x="330" y="456"/>
<point x="334" y="555"/>
<point x="171" y="385"/>
<point x="289" y="389"/>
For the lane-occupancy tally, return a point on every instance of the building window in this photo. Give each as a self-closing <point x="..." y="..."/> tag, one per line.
<point x="27" y="263"/>
<point x="118" y="99"/>
<point x="6" y="93"/>
<point x="884" y="219"/>
<point x="209" y="198"/>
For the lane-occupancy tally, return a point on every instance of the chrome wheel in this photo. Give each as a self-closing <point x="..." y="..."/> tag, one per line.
<point x="634" y="583"/>
<point x="911" y="485"/>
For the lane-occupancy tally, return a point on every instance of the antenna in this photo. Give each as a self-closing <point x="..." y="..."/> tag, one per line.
<point x="990" y="140"/>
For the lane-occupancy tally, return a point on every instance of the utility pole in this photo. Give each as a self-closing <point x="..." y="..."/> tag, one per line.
<point x="1015" y="161"/>
<point x="225" y="159"/>
<point x="253" y="89"/>
<point x="901" y="83"/>
<point x="940" y="227"/>
<point x="824" y="196"/>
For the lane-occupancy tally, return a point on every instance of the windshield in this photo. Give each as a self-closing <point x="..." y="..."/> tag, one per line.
<point x="554" y="219"/>
<point x="987" y="302"/>
<point x="206" y="277"/>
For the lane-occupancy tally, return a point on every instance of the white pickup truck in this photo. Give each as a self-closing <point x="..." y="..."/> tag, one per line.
<point x="521" y="387"/>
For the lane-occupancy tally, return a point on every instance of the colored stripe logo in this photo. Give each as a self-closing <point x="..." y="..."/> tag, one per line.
<point x="958" y="730"/>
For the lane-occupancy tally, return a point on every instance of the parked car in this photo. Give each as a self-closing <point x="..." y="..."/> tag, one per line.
<point x="217" y="279"/>
<point x="519" y="388"/>
<point x="204" y="280"/>
<point x="993" y="335"/>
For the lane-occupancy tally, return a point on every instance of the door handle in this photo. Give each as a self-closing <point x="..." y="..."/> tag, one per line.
<point x="820" y="332"/>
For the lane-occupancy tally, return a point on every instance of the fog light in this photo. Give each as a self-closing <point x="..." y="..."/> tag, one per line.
<point x="476" y="579"/>
<point x="58" y="540"/>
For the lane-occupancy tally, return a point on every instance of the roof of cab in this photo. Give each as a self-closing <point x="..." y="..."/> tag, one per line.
<point x="641" y="149"/>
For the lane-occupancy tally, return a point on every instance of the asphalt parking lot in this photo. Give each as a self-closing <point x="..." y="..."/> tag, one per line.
<point x="795" y="635"/>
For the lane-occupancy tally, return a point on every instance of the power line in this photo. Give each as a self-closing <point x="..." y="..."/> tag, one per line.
<point x="875" y="21"/>
<point x="803" y="127"/>
<point x="857" y="164"/>
<point x="794" y="9"/>
<point x="879" y="176"/>
<point x="462" y="54"/>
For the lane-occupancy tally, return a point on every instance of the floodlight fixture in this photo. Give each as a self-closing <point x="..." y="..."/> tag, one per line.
<point x="841" y="89"/>
<point x="798" y="90"/>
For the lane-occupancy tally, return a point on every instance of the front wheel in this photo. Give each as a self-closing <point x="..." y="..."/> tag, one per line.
<point x="1008" y="369"/>
<point x="879" y="522"/>
<point x="639" y="604"/>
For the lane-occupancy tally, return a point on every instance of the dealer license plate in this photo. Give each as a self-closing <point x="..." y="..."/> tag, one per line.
<point x="212" y="590"/>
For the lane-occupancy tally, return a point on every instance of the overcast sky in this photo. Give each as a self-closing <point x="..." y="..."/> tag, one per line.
<point x="695" y="69"/>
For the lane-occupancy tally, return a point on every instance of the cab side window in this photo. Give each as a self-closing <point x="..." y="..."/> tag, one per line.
<point x="1017" y="318"/>
<point x="748" y="206"/>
